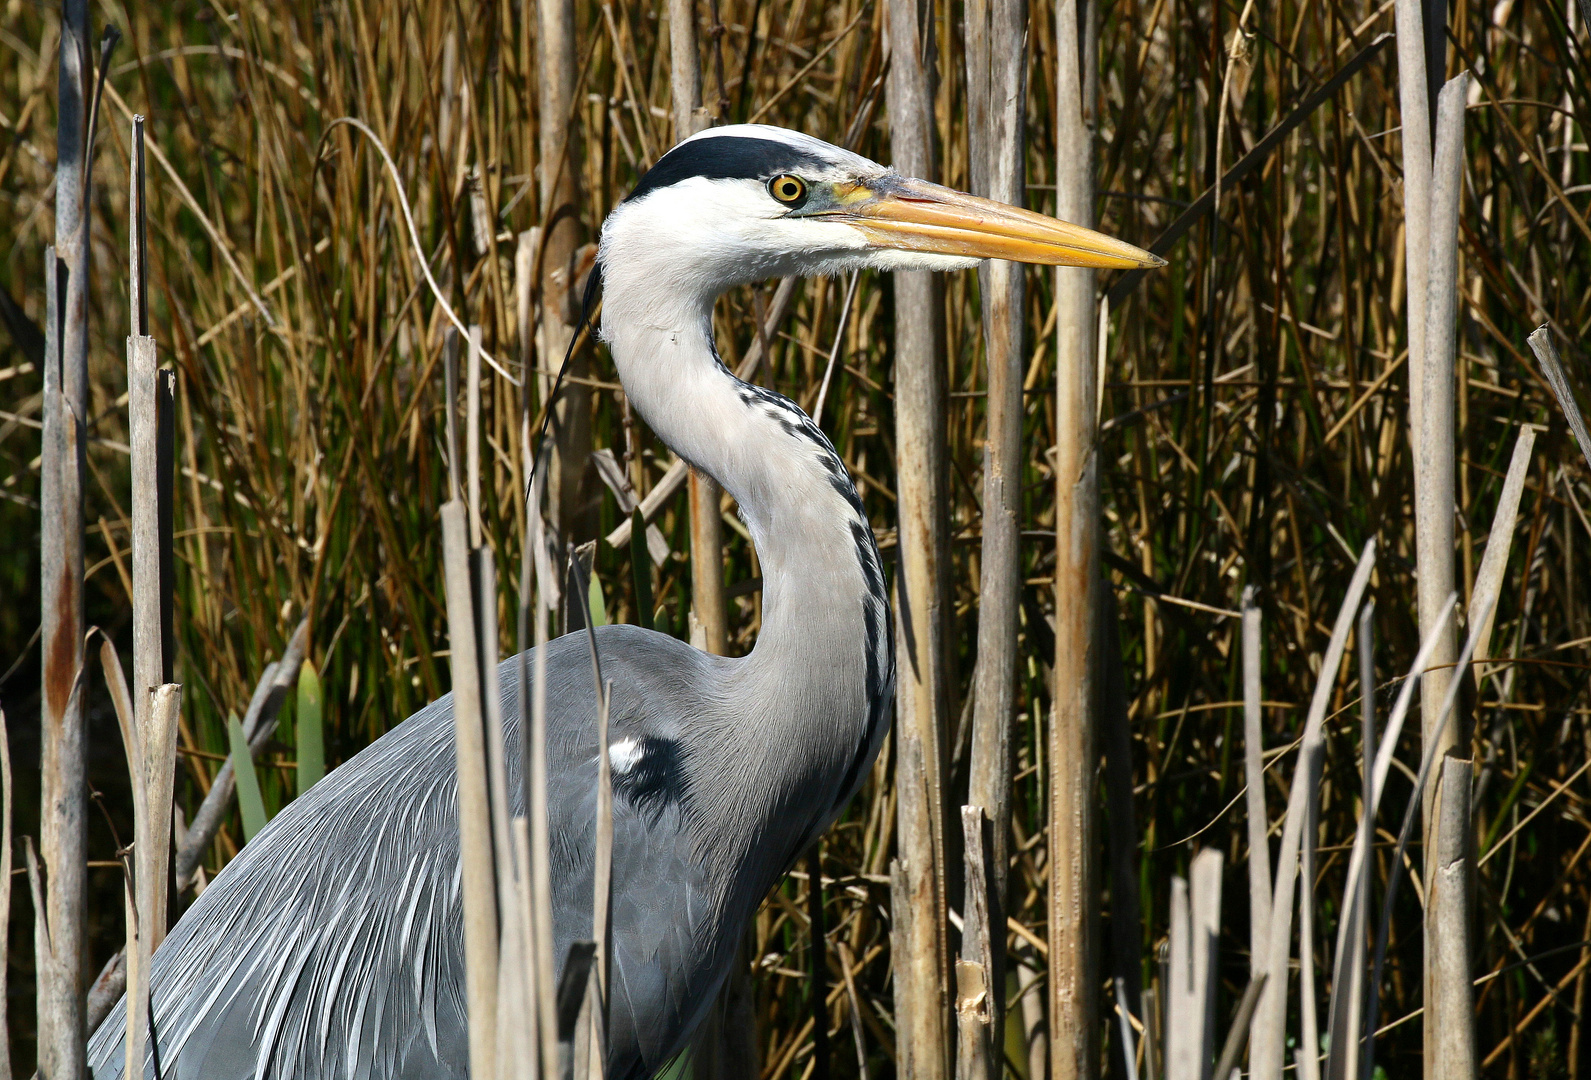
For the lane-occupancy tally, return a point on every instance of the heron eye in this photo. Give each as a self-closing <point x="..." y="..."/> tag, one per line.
<point x="788" y="189"/>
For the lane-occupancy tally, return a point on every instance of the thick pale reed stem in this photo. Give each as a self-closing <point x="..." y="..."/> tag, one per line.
<point x="996" y="77"/>
<point x="922" y="964"/>
<point x="62" y="824"/>
<point x="1074" y="885"/>
<point x="1436" y="489"/>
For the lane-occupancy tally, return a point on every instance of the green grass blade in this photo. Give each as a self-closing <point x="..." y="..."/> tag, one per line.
<point x="311" y="735"/>
<point x="249" y="801"/>
<point x="641" y="563"/>
<point x="594" y="601"/>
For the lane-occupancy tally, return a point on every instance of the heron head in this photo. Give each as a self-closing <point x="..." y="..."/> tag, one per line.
<point x="749" y="202"/>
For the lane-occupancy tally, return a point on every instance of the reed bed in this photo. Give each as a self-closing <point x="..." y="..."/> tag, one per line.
<point x="1253" y="434"/>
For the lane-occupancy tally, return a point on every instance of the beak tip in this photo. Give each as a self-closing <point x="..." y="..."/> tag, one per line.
<point x="1155" y="261"/>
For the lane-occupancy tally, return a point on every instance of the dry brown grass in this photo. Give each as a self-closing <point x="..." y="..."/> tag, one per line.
<point x="1254" y="396"/>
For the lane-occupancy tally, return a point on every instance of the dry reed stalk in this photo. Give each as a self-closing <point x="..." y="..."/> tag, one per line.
<point x="1259" y="827"/>
<point x="976" y="989"/>
<point x="1436" y="493"/>
<point x="1195" y="970"/>
<point x="1073" y="880"/>
<point x="707" y="523"/>
<point x="476" y="841"/>
<point x="1546" y="350"/>
<point x="1268" y="1048"/>
<point x="474" y="811"/>
<point x="1307" y="1054"/>
<point x="152" y="758"/>
<point x="922" y="967"/>
<point x="561" y="168"/>
<point x="6" y="800"/>
<point x="1456" y="952"/>
<point x="1345" y="1017"/>
<point x="62" y="825"/>
<point x="516" y="1046"/>
<point x="1449" y="908"/>
<point x="996" y="32"/>
<point x="1358" y="859"/>
<point x="602" y="885"/>
<point x="535" y="608"/>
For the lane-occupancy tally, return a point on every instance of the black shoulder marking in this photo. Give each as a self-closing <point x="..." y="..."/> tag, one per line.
<point x="656" y="779"/>
<point x="725" y="157"/>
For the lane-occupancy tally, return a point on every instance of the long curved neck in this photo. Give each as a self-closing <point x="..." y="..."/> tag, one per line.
<point x="823" y="659"/>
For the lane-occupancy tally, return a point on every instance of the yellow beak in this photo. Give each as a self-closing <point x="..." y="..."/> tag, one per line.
<point x="914" y="215"/>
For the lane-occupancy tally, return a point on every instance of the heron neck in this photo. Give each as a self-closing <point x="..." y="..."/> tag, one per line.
<point x="823" y="656"/>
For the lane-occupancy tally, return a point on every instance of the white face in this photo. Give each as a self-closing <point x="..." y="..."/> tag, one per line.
<point x="709" y="234"/>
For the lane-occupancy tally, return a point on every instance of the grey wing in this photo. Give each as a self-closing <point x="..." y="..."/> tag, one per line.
<point x="329" y="946"/>
<point x="332" y="945"/>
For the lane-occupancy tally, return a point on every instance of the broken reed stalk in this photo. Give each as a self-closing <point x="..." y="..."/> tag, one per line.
<point x="1195" y="971"/>
<point x="152" y="760"/>
<point x="474" y="808"/>
<point x="922" y="966"/>
<point x="1072" y="908"/>
<point x="1259" y="826"/>
<point x="1436" y="491"/>
<point x="1546" y="350"/>
<point x="1270" y="1026"/>
<point x="996" y="79"/>
<point x="1499" y="542"/>
<point x="62" y="824"/>
<point x="976" y="989"/>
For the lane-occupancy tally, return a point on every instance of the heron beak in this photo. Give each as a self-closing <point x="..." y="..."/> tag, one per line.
<point x="914" y="215"/>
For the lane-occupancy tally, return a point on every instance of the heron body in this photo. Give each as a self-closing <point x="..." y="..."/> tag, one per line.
<point x="332" y="945"/>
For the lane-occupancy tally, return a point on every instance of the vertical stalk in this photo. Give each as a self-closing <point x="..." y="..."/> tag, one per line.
<point x="476" y="856"/>
<point x="1259" y="856"/>
<point x="922" y="965"/>
<point x="562" y="233"/>
<point x="1074" y="886"/>
<point x="1268" y="1049"/>
<point x="1452" y="995"/>
<point x="708" y="603"/>
<point x="996" y="81"/>
<point x="62" y="824"/>
<point x="976" y="991"/>
<point x="1349" y="975"/>
<point x="818" y="975"/>
<point x="1447" y="927"/>
<point x="5" y="894"/>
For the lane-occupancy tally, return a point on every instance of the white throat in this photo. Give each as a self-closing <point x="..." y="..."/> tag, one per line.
<point x="823" y="662"/>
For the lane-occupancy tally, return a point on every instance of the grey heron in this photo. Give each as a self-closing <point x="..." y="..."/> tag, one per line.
<point x="332" y="945"/>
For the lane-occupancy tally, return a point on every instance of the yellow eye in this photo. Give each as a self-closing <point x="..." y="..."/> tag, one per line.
<point x="788" y="189"/>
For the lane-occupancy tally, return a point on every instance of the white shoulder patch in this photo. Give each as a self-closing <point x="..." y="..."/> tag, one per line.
<point x="624" y="755"/>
